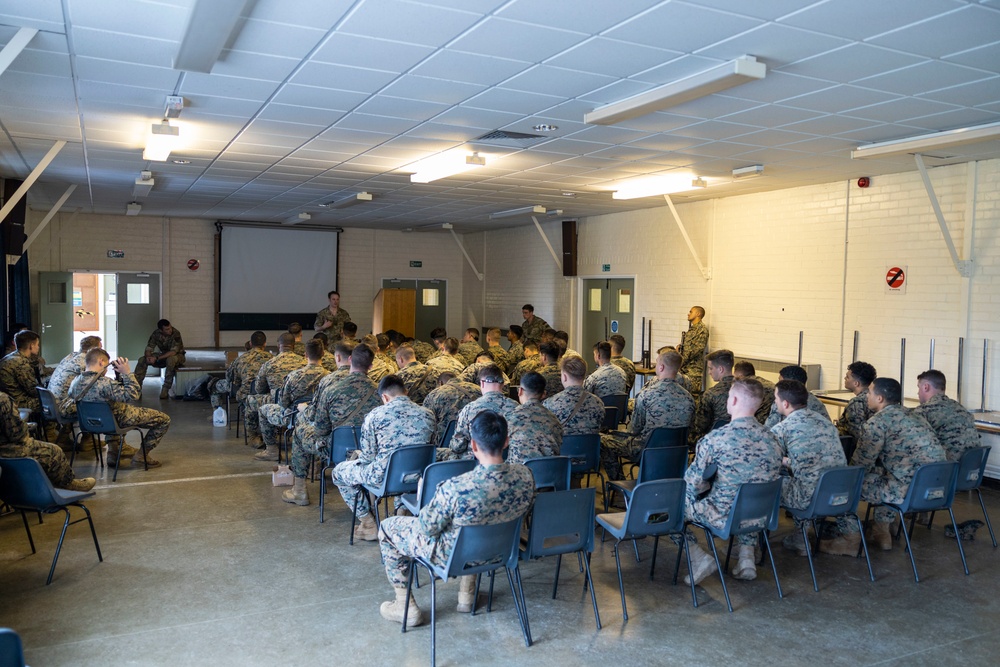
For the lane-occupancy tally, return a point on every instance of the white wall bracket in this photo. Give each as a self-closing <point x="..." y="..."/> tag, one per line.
<point x="548" y="245"/>
<point x="48" y="216"/>
<point x="963" y="266"/>
<point x="15" y="46"/>
<point x="30" y="180"/>
<point x="464" y="252"/>
<point x="706" y="271"/>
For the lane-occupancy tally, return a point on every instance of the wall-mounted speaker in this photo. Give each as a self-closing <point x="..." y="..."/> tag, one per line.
<point x="569" y="247"/>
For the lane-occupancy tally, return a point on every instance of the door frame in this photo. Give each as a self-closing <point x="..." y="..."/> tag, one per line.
<point x="580" y="300"/>
<point x="447" y="301"/>
<point x="116" y="273"/>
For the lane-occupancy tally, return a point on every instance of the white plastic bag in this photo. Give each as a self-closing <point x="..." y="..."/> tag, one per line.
<point x="219" y="417"/>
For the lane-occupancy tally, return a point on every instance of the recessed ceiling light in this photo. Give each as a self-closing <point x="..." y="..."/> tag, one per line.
<point x="181" y="161"/>
<point x="545" y="127"/>
<point x="569" y="194"/>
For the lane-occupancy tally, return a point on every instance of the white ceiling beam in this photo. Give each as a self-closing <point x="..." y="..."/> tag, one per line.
<point x="48" y="216"/>
<point x="30" y="180"/>
<point x="15" y="46"/>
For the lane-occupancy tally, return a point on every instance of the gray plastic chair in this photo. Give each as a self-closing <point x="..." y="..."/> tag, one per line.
<point x="50" y="413"/>
<point x="98" y="419"/>
<point x="551" y="473"/>
<point x="403" y="471"/>
<point x="656" y="463"/>
<point x="585" y="452"/>
<point x="433" y="475"/>
<point x="11" y="652"/>
<point x="971" y="469"/>
<point x="343" y="441"/>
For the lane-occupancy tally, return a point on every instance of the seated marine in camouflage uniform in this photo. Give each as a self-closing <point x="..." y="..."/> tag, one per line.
<point x="18" y="377"/>
<point x="493" y="398"/>
<point x="165" y="349"/>
<point x="550" y="354"/>
<point x="65" y="372"/>
<point x="745" y="369"/>
<point x="515" y="351"/>
<point x="331" y="319"/>
<point x="857" y="379"/>
<point x="242" y="372"/>
<point x="329" y="360"/>
<point x="712" y="406"/>
<point x="299" y="385"/>
<point x="578" y="411"/>
<point x="493" y="346"/>
<point x="379" y="368"/>
<point x="493" y="492"/>
<point x="386" y="353"/>
<point x="607" y="379"/>
<point x="93" y="385"/>
<point x="449" y="360"/>
<point x="796" y="373"/>
<point x="448" y="399"/>
<point x="469" y="347"/>
<point x="484" y="360"/>
<point x="269" y="380"/>
<point x="397" y="423"/>
<point x="420" y="379"/>
<point x="810" y="445"/>
<point x="532" y="362"/>
<point x="617" y="347"/>
<point x="954" y="426"/>
<point x="534" y="431"/>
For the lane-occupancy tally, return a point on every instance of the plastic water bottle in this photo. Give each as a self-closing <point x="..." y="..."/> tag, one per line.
<point x="219" y="417"/>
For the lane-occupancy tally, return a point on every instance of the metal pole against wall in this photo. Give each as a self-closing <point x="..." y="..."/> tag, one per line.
<point x="961" y="363"/>
<point x="931" y="364"/>
<point x="986" y="344"/>
<point x="799" y="362"/>
<point x="902" y="364"/>
<point x="855" y="356"/>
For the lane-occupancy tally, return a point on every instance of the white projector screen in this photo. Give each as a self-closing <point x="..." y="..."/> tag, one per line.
<point x="276" y="270"/>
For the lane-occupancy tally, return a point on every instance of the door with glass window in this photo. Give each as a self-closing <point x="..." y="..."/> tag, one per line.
<point x="608" y="309"/>
<point x="432" y="301"/>
<point x="138" y="305"/>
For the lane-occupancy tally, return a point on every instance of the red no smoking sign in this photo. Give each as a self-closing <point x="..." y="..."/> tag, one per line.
<point x="895" y="279"/>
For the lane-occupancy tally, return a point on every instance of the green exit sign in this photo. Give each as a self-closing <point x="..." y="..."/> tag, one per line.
<point x="415" y="264"/>
<point x="606" y="268"/>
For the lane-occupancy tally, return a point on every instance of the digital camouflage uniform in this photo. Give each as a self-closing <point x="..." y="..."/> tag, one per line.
<point x="534" y="432"/>
<point x="533" y="332"/>
<point x="484" y="496"/>
<point x="345" y="401"/>
<point x="469" y="351"/>
<point x="711" y="408"/>
<point x="578" y="411"/>
<point x="160" y="343"/>
<point x="471" y="374"/>
<point x="448" y="363"/>
<point x="299" y="384"/>
<point x="893" y="444"/>
<point x="329" y="361"/>
<point x="19" y="379"/>
<point x="379" y="369"/>
<point x="626" y="365"/>
<point x="389" y="362"/>
<point x="240" y="376"/>
<point x="420" y="379"/>
<point x="693" y="347"/>
<point x="854" y="416"/>
<point x="553" y="379"/>
<point x="515" y="355"/>
<point x="744" y="451"/>
<point x="15" y="443"/>
<point x="500" y="358"/>
<point x="954" y="426"/>
<point x="117" y="393"/>
<point x="459" y="446"/>
<point x="72" y="364"/>
<point x="447" y="401"/>
<point x="664" y="405"/>
<point x="299" y="348"/>
<point x="764" y="411"/>
<point x="525" y="366"/>
<point x="814" y="404"/>
<point x="270" y="378"/>
<point x="812" y="445"/>
<point x="398" y="423"/>
<point x="334" y="332"/>
<point x="606" y="380"/>
<point x="423" y="351"/>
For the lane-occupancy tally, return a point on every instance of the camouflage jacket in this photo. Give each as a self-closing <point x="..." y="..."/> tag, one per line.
<point x="525" y="366"/>
<point x="273" y="372"/>
<point x="626" y="365"/>
<point x="494" y="401"/>
<point x="515" y="355"/>
<point x="447" y="363"/>
<point x="339" y="400"/>
<point x="533" y="431"/>
<point x="389" y="362"/>
<point x="420" y="379"/>
<point x="500" y="358"/>
<point x="18" y="379"/>
<point x="712" y="407"/>
<point x="812" y="445"/>
<point x="606" y="380"/>
<point x="161" y="343"/>
<point x="764" y="411"/>
<point x="855" y="414"/>
<point x="582" y="420"/>
<point x="533" y="331"/>
<point x="329" y="361"/>
<point x="447" y="401"/>
<point x="398" y="423"/>
<point x="116" y="392"/>
<point x="12" y="429"/>
<point x="300" y="383"/>
<point x="694" y="344"/>
<point x="471" y="374"/>
<point x="72" y="364"/>
<point x="894" y="443"/>
<point x="334" y="332"/>
<point x="814" y="404"/>
<point x="244" y="371"/>
<point x="954" y="425"/>
<point x="664" y="405"/>
<point x="469" y="351"/>
<point x="553" y="379"/>
<point x="423" y="351"/>
<point x="378" y="370"/>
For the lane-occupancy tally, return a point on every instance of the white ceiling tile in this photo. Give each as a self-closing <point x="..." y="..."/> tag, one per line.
<point x="859" y="19"/>
<point x="714" y="130"/>
<point x="479" y="118"/>
<point x="395" y="20"/>
<point x="557" y="81"/>
<point x="828" y="125"/>
<point x="40" y="14"/>
<point x="970" y="94"/>
<point x="445" y="131"/>
<point x="850" y="63"/>
<point x="309" y="13"/>
<point x="384" y="105"/>
<point x="984" y="57"/>
<point x="431" y="90"/>
<point x="469" y="67"/>
<point x="380" y="124"/>
<point x="619" y="90"/>
<point x="955" y="119"/>
<point x="56" y="87"/>
<point x="116" y="46"/>
<point x="770" y="10"/>
<point x="713" y="106"/>
<point x="587" y="16"/>
<point x="770" y="115"/>
<point x="196" y="84"/>
<point x="966" y="28"/>
<point x="222" y="106"/>
<point x="112" y="71"/>
<point x="293" y="95"/>
<point x="607" y="134"/>
<point x="282" y="128"/>
<point x="771" y="138"/>
<point x="512" y="101"/>
<point x="612" y="57"/>
<point x="901" y="110"/>
<point x="254" y="66"/>
<point x="927" y="76"/>
<point x="774" y="44"/>
<point x="342" y="77"/>
<point x="496" y="37"/>
<point x="366" y="52"/>
<point x="130" y="17"/>
<point x="839" y="98"/>
<point x="276" y="39"/>
<point x="681" y="27"/>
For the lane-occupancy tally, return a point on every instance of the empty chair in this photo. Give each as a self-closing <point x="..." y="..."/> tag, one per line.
<point x="932" y="489"/>
<point x="657" y="509"/>
<point x="50" y="413"/>
<point x="343" y="441"/>
<point x="971" y="468"/>
<point x="562" y="522"/>
<point x="619" y="401"/>
<point x="478" y="550"/>
<point x="610" y="422"/>
<point x="585" y="454"/>
<point x="24" y="487"/>
<point x="755" y="509"/>
<point x="402" y="475"/>
<point x="98" y="419"/>
<point x="849" y="445"/>
<point x="551" y="473"/>
<point x="837" y="495"/>
<point x="11" y="653"/>
<point x="448" y="432"/>
<point x="433" y="475"/>
<point x="657" y="463"/>
<point x="661" y="436"/>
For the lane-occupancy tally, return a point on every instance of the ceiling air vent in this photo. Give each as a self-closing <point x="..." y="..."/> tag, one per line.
<point x="509" y="139"/>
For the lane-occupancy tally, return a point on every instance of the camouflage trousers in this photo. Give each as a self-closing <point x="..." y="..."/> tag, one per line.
<point x="618" y="445"/>
<point x="272" y="421"/>
<point x="171" y="364"/>
<point x="49" y="456"/>
<point x="877" y="488"/>
<point x="400" y="540"/>
<point x="219" y="394"/>
<point x="346" y="475"/>
<point x="306" y="446"/>
<point x="154" y="421"/>
<point x="251" y="412"/>
<point x="708" y="514"/>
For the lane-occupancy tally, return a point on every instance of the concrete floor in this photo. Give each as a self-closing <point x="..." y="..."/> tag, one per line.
<point x="204" y="565"/>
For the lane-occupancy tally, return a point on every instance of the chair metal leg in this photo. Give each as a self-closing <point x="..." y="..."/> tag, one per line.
<point x="489" y="598"/>
<point x="434" y="621"/>
<point x="722" y="575"/>
<point x="62" y="536"/>
<point x="555" y="584"/>
<point x="987" y="517"/>
<point x="593" y="596"/>
<point x="864" y="546"/>
<point x="909" y="550"/>
<point x="322" y="493"/>
<point x="809" y="556"/>
<point x="729" y="551"/>
<point x="774" y="569"/>
<point x="958" y="540"/>
<point x="621" y="584"/>
<point x="121" y="444"/>
<point x="687" y="555"/>
<point x="635" y="547"/>
<point x="93" y="533"/>
<point x="677" y="564"/>
<point x="354" y="514"/>
<point x="526" y="626"/>
<point x="409" y="591"/>
<point x="31" y="541"/>
<point x="652" y="566"/>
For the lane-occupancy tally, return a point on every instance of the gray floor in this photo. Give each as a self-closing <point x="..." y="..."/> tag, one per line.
<point x="204" y="565"/>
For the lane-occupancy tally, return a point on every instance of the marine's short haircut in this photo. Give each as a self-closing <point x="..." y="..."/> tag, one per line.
<point x="438" y="334"/>
<point x="294" y="328"/>
<point x="533" y="384"/>
<point x="392" y="385"/>
<point x="550" y="351"/>
<point x="888" y="389"/>
<point x="617" y="343"/>
<point x="562" y="335"/>
<point x="794" y="392"/>
<point x="701" y="311"/>
<point x="485" y="354"/>
<point x="489" y="430"/>
<point x="258" y="339"/>
<point x="286" y="340"/>
<point x="350" y="328"/>
<point x="603" y="350"/>
<point x="321" y="336"/>
<point x="744" y="368"/>
<point x="162" y="323"/>
<point x="531" y="345"/>
<point x="315" y="349"/>
<point x="491" y="373"/>
<point x="405" y="351"/>
<point x="88" y="343"/>
<point x="573" y="366"/>
<point x="863" y="372"/>
<point x="528" y="307"/>
<point x="474" y="333"/>
<point x="370" y="340"/>
<point x="670" y="360"/>
<point x="331" y="293"/>
<point x="445" y="378"/>
<point x="362" y="357"/>
<point x="450" y="345"/>
<point x="549" y="333"/>
<point x="395" y="337"/>
<point x="721" y="358"/>
<point x="935" y="377"/>
<point x="382" y="340"/>
<point x="794" y="373"/>
<point x="493" y="333"/>
<point x="95" y="354"/>
<point x="516" y="329"/>
<point x="750" y="388"/>
<point x="344" y="348"/>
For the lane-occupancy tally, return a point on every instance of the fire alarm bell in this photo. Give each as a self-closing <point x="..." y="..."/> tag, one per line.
<point x="864" y="182"/>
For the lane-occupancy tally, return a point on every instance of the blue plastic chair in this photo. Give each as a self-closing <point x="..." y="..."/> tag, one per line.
<point x="755" y="509"/>
<point x="98" y="419"/>
<point x="403" y="471"/>
<point x="433" y="475"/>
<point x="656" y="463"/>
<point x="343" y="441"/>
<point x="610" y="422"/>
<point x="585" y="452"/>
<point x="25" y="487"/>
<point x="562" y="522"/>
<point x="50" y="413"/>
<point x="971" y="468"/>
<point x="932" y="489"/>
<point x="448" y="432"/>
<point x="619" y="401"/>
<point x="11" y="652"/>
<point x="478" y="550"/>
<point x="657" y="509"/>
<point x="661" y="436"/>
<point x="551" y="473"/>
<point x="837" y="495"/>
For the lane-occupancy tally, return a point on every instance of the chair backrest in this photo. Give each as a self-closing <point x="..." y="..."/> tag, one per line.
<point x="11" y="653"/>
<point x="405" y="468"/>
<point x="837" y="492"/>
<point x="96" y="417"/>
<point x="667" y="437"/>
<point x="849" y="445"/>
<point x="719" y="423"/>
<point x="932" y="488"/>
<point x="343" y="440"/>
<point x="561" y="523"/>
<point x="755" y="508"/>
<point x="971" y="467"/>
<point x="610" y="422"/>
<point x="662" y="463"/>
<point x="448" y="432"/>
<point x="294" y="416"/>
<point x="656" y="508"/>
<point x="619" y="401"/>
<point x="484" y="548"/>
<point x="438" y="472"/>
<point x="512" y="392"/>
<point x="551" y="472"/>
<point x="50" y="411"/>
<point x="584" y="450"/>
<point x="24" y="485"/>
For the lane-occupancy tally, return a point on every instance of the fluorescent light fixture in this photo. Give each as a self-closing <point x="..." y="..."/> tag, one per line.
<point x="175" y="104"/>
<point x="161" y="140"/>
<point x="721" y="77"/>
<point x="133" y="208"/>
<point x="296" y="219"/>
<point x="932" y="141"/>
<point x="143" y="185"/>
<point x="653" y="186"/>
<point x="521" y="210"/>
<point x="356" y="198"/>
<point x="554" y="213"/>
<point x="210" y="27"/>
<point x="444" y="165"/>
<point x="752" y="171"/>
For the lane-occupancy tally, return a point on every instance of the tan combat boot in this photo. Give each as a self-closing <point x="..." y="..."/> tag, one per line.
<point x="393" y="609"/>
<point x="879" y="535"/>
<point x="298" y="494"/>
<point x="165" y="391"/>
<point x="256" y="441"/>
<point x="702" y="564"/>
<point x="466" y="593"/>
<point x="268" y="454"/>
<point x="366" y="529"/>
<point x="844" y="545"/>
<point x="746" y="565"/>
<point x="81" y="484"/>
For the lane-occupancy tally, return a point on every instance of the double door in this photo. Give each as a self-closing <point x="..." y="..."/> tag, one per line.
<point x="608" y="306"/>
<point x="431" y="303"/>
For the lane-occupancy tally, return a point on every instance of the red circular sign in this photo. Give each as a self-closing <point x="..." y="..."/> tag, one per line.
<point x="193" y="264"/>
<point x="895" y="277"/>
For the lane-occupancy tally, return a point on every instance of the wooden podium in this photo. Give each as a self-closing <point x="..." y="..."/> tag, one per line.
<point x="395" y="309"/>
